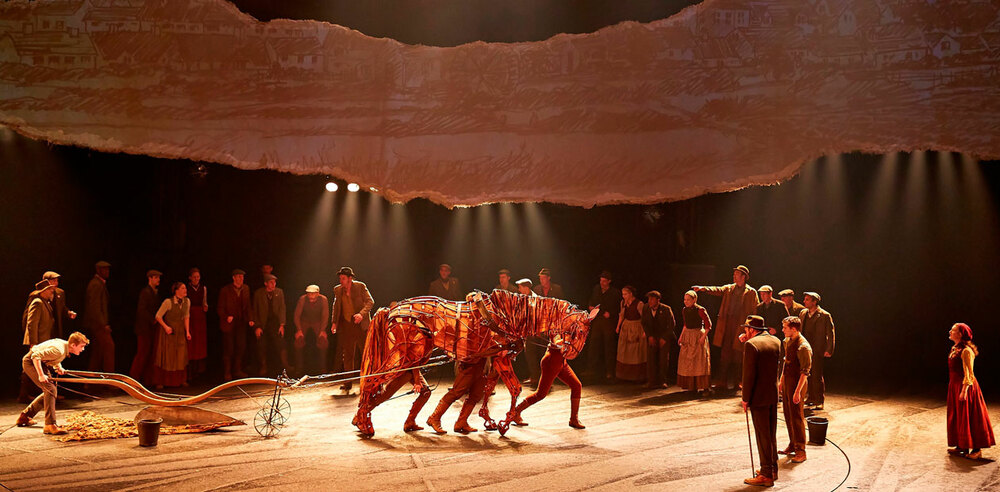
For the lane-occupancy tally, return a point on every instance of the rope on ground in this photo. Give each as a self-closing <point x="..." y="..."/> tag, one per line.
<point x="848" y="458"/>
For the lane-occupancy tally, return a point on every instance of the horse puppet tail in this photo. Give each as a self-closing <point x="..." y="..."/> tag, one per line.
<point x="374" y="355"/>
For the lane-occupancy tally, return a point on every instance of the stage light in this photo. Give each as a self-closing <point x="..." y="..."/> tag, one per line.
<point x="331" y="187"/>
<point x="353" y="187"/>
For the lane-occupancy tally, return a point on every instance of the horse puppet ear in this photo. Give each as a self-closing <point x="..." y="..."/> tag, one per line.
<point x="593" y="314"/>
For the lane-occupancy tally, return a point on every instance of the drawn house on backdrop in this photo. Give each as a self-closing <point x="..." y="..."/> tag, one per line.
<point x="58" y="16"/>
<point x="296" y="53"/>
<point x="59" y="50"/>
<point x="112" y="18"/>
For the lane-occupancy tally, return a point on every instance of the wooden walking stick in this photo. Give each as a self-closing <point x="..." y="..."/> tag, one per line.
<point x="753" y="473"/>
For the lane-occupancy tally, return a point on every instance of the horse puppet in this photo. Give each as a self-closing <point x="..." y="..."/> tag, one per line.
<point x="401" y="339"/>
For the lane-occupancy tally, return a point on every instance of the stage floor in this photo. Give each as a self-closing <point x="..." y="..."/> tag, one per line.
<point x="657" y="440"/>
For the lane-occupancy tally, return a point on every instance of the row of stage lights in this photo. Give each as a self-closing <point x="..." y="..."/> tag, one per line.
<point x="352" y="187"/>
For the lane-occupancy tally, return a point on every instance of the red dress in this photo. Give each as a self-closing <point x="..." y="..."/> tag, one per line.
<point x="198" y="323"/>
<point x="969" y="424"/>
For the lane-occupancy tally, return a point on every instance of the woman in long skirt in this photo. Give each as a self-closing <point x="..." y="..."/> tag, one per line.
<point x="198" y="344"/>
<point x="694" y="366"/>
<point x="969" y="427"/>
<point x="631" y="338"/>
<point x="170" y="362"/>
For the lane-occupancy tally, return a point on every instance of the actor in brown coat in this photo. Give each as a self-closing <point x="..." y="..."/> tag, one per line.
<point x="96" y="321"/>
<point x="59" y="309"/>
<point x="39" y="319"/>
<point x="739" y="300"/>
<point x="760" y="395"/>
<point x="817" y="327"/>
<point x="352" y="305"/>
<point x="234" y="316"/>
<point x="268" y="316"/>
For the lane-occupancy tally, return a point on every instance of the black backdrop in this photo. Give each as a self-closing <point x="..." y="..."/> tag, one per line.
<point x="899" y="248"/>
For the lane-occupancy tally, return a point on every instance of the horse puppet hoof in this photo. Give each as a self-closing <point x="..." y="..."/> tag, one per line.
<point x="502" y="427"/>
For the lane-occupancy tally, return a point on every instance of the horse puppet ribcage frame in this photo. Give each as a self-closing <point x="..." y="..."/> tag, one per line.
<point x="401" y="339"/>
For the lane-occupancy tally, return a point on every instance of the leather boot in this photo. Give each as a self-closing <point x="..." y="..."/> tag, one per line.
<point x="53" y="430"/>
<point x="435" y="419"/>
<point x="25" y="421"/>
<point x="574" y="414"/>
<point x="462" y="424"/>
<point x="411" y="419"/>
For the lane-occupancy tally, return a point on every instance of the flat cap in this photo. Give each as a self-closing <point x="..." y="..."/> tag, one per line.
<point x="765" y="288"/>
<point x="524" y="281"/>
<point x="654" y="293"/>
<point x="504" y="271"/>
<point x="545" y="271"/>
<point x="606" y="274"/>
<point x="444" y="265"/>
<point x="153" y="273"/>
<point x="268" y="277"/>
<point x="786" y="292"/>
<point x="312" y="288"/>
<point x="50" y="275"/>
<point x="102" y="264"/>
<point x="238" y="272"/>
<point x="814" y="295"/>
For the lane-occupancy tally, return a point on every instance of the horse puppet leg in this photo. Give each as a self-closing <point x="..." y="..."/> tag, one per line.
<point x="373" y="397"/>
<point x="491" y="384"/>
<point x="506" y="370"/>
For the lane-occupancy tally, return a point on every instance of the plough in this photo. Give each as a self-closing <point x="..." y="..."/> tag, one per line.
<point x="177" y="410"/>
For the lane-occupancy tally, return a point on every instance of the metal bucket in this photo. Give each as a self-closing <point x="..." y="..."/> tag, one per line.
<point x="149" y="432"/>
<point x="817" y="429"/>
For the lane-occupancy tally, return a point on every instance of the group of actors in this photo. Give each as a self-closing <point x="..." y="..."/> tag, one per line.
<point x="628" y="340"/>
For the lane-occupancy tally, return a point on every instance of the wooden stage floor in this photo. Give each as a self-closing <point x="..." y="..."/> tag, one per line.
<point x="635" y="439"/>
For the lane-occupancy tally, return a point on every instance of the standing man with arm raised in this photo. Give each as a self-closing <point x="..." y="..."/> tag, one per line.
<point x="352" y="305"/>
<point x="739" y="300"/>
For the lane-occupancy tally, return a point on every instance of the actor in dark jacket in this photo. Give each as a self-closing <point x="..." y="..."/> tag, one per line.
<point x="268" y="316"/>
<point x="602" y="351"/>
<point x="658" y="323"/>
<point x="145" y="328"/>
<point x="760" y="395"/>
<point x="234" y="315"/>
<point x="97" y="322"/>
<point x="772" y="310"/>
<point x="817" y="327"/>
<point x="59" y="309"/>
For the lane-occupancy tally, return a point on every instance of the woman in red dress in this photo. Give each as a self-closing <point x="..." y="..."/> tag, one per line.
<point x="969" y="427"/>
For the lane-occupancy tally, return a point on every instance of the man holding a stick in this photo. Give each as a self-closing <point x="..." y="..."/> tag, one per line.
<point x="760" y="396"/>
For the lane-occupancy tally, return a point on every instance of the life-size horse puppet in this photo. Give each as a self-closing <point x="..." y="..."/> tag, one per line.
<point x="402" y="338"/>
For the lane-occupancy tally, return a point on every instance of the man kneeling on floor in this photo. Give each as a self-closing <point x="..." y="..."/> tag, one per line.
<point x="51" y="353"/>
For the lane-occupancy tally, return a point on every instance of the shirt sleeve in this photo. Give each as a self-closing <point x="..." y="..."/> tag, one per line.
<point x="805" y="359"/>
<point x="45" y="353"/>
<point x="164" y="307"/>
<point x="968" y="359"/>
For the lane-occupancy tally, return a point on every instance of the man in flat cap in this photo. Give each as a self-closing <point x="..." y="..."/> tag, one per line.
<point x="97" y="322"/>
<point x="269" y="316"/>
<point x="59" y="309"/>
<point x="739" y="300"/>
<point x="39" y="316"/>
<point x="546" y="288"/>
<point x="771" y="310"/>
<point x="503" y="281"/>
<point x="760" y="395"/>
<point x="312" y="313"/>
<point x="817" y="327"/>
<point x="234" y="316"/>
<point x="792" y="307"/>
<point x="145" y="328"/>
<point x="602" y="351"/>
<point x="352" y="306"/>
<point x="446" y="286"/>
<point x="658" y="322"/>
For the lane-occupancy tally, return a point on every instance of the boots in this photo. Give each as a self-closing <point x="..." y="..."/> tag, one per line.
<point x="435" y="419"/>
<point x="411" y="419"/>
<point x="24" y="420"/>
<point x="53" y="430"/>
<point x="462" y="424"/>
<point x="574" y="411"/>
